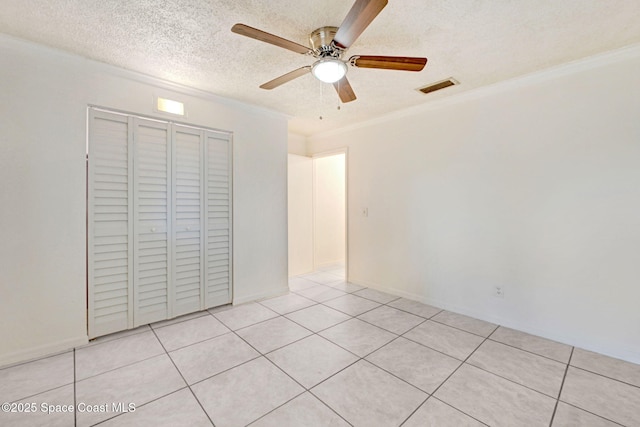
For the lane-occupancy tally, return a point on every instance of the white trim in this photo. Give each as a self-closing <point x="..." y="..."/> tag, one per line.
<point x="204" y="250"/>
<point x="261" y="296"/>
<point x="232" y="171"/>
<point x="22" y="45"/>
<point x="618" y="352"/>
<point x="38" y="352"/>
<point x="313" y="215"/>
<point x="131" y="218"/>
<point x="329" y="153"/>
<point x="568" y="68"/>
<point x="156" y="119"/>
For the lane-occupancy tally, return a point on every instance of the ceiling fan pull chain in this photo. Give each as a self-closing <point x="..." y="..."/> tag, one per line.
<point x="321" y="98"/>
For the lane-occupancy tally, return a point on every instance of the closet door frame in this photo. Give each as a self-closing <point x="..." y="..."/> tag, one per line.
<point x="132" y="119"/>
<point x="95" y="329"/>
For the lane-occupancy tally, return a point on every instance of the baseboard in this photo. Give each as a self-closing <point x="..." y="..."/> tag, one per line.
<point x="42" y="351"/>
<point x="260" y="296"/>
<point x="338" y="263"/>
<point x="619" y="352"/>
<point x="300" y="273"/>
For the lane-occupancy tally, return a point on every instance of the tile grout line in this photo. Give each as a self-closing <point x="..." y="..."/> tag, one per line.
<point x="175" y="320"/>
<point x="605" y="376"/>
<point x="456" y="409"/>
<point x="75" y="396"/>
<point x="282" y="370"/>
<point x="391" y="373"/>
<point x="415" y="410"/>
<point x="327" y="405"/>
<point x="316" y="303"/>
<point x="123" y="366"/>
<point x="527" y="351"/>
<point x="592" y="413"/>
<point x="40" y="392"/>
<point x="138" y="407"/>
<point x="227" y="370"/>
<point x="359" y="358"/>
<point x="503" y="377"/>
<point x="463" y="330"/>
<point x="103" y="338"/>
<point x="564" y="377"/>
<point x="144" y="404"/>
<point x="199" y="342"/>
<point x="386" y="304"/>
<point x="512" y="381"/>
<point x="292" y="311"/>
<point x="247" y="326"/>
<point x="431" y="348"/>
<point x="422" y="320"/>
<point x="452" y="373"/>
<point x="485" y="338"/>
<point x="37" y="359"/>
<point x="363" y="358"/>
<point x="183" y="379"/>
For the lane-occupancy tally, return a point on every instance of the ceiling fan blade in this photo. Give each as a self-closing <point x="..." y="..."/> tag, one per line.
<point x="286" y="78"/>
<point x="388" y="62"/>
<point x="254" y="33"/>
<point x="345" y="92"/>
<point x="357" y="20"/>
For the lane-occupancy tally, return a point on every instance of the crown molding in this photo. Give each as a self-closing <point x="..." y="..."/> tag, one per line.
<point x="573" y="67"/>
<point x="24" y="45"/>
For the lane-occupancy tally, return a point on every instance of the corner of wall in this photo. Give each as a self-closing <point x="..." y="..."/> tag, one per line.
<point x="48" y="349"/>
<point x="297" y="144"/>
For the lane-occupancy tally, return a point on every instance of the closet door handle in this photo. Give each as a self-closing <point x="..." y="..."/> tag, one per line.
<point x="188" y="228"/>
<point x="153" y="229"/>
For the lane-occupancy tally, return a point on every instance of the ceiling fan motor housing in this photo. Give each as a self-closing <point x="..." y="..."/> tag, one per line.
<point x="329" y="44"/>
<point x="321" y="42"/>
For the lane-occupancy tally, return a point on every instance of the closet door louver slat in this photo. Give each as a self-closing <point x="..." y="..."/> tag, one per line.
<point x="110" y="245"/>
<point x="159" y="220"/>
<point x="218" y="272"/>
<point x="152" y="218"/>
<point x="188" y="147"/>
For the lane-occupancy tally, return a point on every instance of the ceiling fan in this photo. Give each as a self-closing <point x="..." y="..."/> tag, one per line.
<point x="329" y="44"/>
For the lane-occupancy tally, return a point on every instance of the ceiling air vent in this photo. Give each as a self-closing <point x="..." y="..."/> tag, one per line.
<point x="439" y="85"/>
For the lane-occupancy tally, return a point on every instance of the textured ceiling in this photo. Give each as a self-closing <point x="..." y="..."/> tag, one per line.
<point x="478" y="42"/>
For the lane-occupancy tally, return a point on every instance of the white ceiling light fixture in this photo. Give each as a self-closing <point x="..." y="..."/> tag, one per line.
<point x="329" y="70"/>
<point x="328" y="44"/>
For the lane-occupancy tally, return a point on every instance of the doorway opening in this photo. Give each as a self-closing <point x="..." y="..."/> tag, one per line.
<point x="318" y="216"/>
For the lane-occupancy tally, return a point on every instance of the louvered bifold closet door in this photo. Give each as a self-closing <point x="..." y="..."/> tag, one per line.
<point x="152" y="177"/>
<point x="218" y="271"/>
<point x="187" y="220"/>
<point x="110" y="223"/>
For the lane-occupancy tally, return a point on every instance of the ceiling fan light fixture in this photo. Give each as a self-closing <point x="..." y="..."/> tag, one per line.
<point x="329" y="70"/>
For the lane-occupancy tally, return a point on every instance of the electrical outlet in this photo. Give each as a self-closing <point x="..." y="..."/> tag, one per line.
<point x="498" y="292"/>
<point x="365" y="212"/>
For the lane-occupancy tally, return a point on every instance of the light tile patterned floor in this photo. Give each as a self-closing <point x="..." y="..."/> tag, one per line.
<point x="330" y="353"/>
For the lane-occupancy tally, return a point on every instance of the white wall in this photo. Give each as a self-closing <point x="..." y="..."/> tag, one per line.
<point x="532" y="185"/>
<point x="297" y="144"/>
<point x="329" y="210"/>
<point x="45" y="94"/>
<point x="300" y="219"/>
